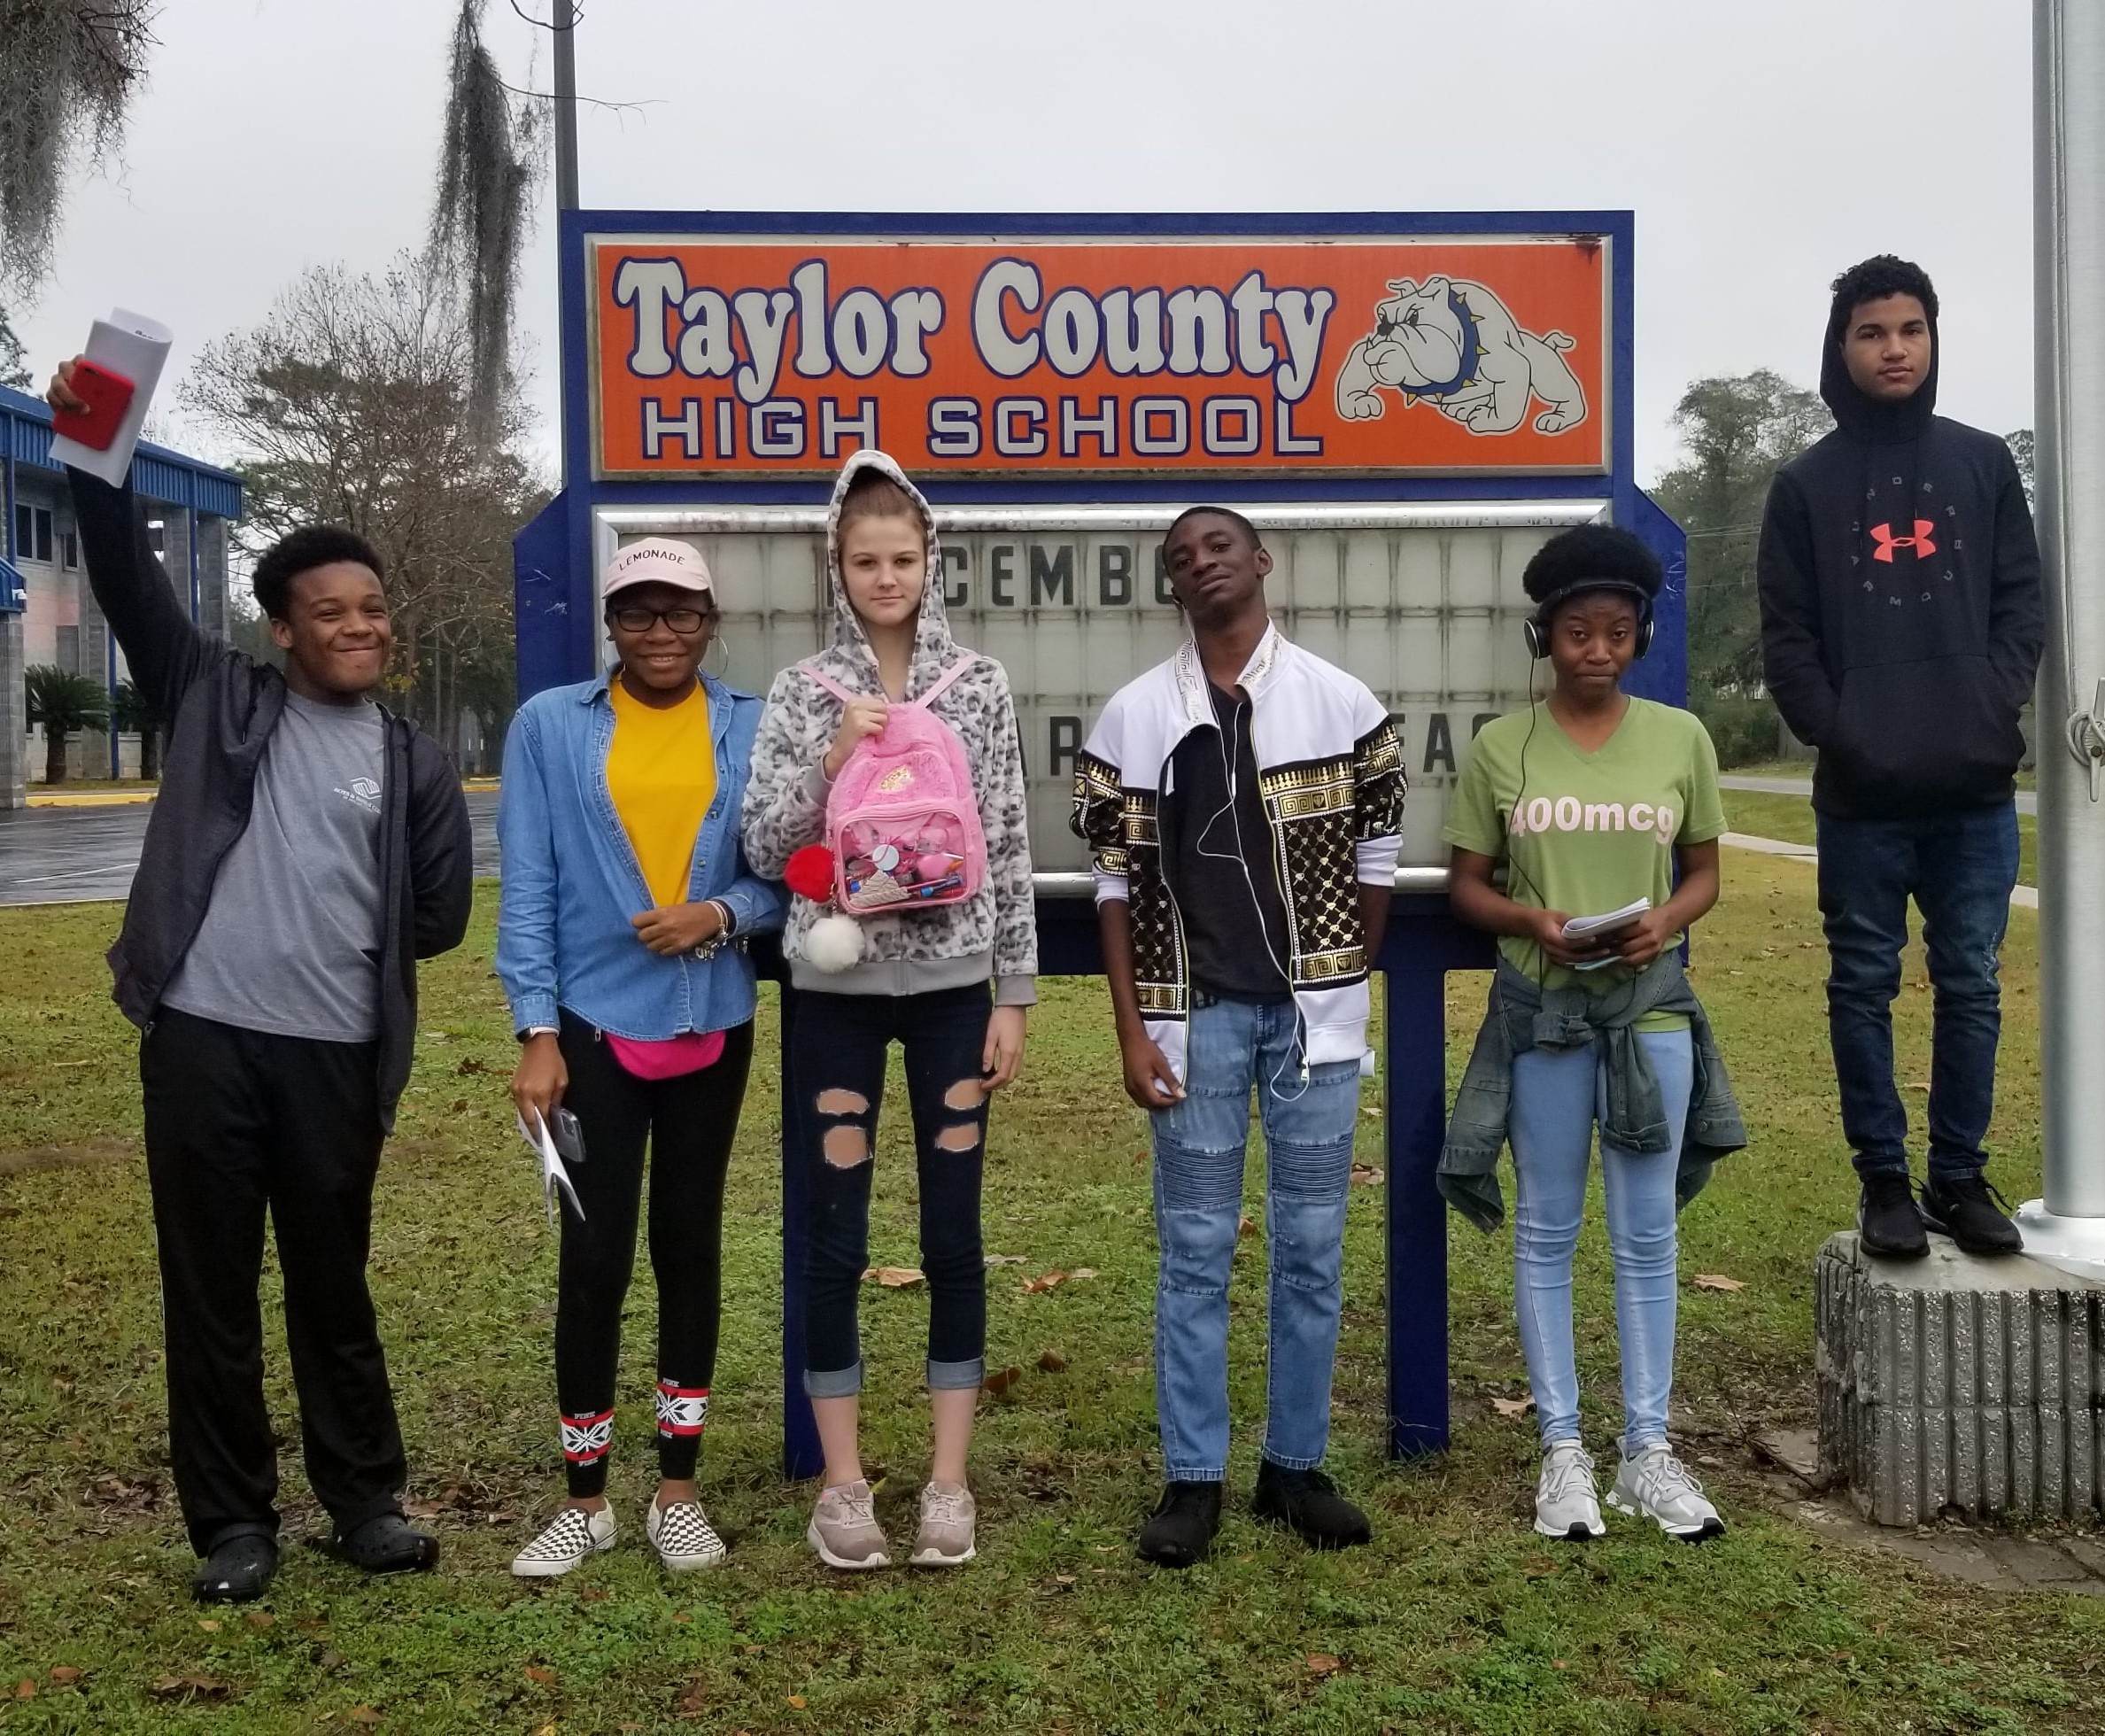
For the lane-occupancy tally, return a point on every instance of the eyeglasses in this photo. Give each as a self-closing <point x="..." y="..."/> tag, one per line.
<point x="684" y="622"/>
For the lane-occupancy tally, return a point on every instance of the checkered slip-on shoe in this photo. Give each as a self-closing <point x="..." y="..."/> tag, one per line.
<point x="682" y="1535"/>
<point x="572" y="1537"/>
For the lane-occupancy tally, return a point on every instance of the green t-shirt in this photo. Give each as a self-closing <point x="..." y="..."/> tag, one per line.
<point x="1586" y="833"/>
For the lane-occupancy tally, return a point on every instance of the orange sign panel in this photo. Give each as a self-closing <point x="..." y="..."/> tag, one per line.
<point x="1360" y="356"/>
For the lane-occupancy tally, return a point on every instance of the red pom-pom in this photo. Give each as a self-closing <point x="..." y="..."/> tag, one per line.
<point x="809" y="873"/>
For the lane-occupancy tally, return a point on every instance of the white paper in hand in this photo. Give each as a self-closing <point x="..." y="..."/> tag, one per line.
<point x="136" y="348"/>
<point x="1606" y="925"/>
<point x="553" y="1175"/>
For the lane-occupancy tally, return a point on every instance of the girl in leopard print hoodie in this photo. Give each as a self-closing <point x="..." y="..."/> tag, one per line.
<point x="950" y="984"/>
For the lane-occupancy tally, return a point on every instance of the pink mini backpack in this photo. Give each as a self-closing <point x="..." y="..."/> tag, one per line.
<point x="902" y="820"/>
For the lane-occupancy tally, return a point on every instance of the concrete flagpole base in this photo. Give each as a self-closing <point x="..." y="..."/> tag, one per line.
<point x="2074" y="1245"/>
<point x="1951" y="1383"/>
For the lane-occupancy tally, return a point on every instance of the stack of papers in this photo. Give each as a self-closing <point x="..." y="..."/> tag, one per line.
<point x="1609" y="922"/>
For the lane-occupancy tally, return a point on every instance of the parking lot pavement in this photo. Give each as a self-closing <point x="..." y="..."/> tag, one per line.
<point x="70" y="856"/>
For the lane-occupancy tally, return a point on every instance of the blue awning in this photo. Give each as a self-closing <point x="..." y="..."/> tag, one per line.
<point x="14" y="589"/>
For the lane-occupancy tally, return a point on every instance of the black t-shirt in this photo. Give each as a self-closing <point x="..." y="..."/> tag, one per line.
<point x="1221" y="862"/>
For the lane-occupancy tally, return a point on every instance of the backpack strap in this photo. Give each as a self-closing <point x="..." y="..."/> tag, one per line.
<point x="942" y="682"/>
<point x="827" y="682"/>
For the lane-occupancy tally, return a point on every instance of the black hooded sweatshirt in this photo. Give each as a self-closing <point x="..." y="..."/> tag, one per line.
<point x="1901" y="616"/>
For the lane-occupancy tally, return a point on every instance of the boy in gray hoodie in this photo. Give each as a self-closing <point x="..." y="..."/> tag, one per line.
<point x="951" y="983"/>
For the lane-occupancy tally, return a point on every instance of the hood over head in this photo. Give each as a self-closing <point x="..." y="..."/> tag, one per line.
<point x="934" y="648"/>
<point x="1856" y="413"/>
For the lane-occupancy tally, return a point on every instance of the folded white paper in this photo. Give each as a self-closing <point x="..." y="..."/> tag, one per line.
<point x="553" y="1175"/>
<point x="136" y="348"/>
<point x="1583" y="927"/>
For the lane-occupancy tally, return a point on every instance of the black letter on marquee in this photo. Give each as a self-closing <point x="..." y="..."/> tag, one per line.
<point x="1163" y="593"/>
<point x="1067" y="735"/>
<point x="1439" y="743"/>
<point x="955" y="592"/>
<point x="1114" y="576"/>
<point x="1057" y="575"/>
<point x="1000" y="574"/>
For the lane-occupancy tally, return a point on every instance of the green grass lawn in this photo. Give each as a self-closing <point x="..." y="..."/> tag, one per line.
<point x="1791" y="818"/>
<point x="1803" y="768"/>
<point x="1457" y="1618"/>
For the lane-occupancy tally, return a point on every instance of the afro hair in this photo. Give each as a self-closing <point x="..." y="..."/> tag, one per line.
<point x="304" y="550"/>
<point x="1590" y="557"/>
<point x="1876" y="278"/>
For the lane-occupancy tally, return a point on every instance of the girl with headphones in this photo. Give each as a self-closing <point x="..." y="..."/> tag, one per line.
<point x="1595" y="802"/>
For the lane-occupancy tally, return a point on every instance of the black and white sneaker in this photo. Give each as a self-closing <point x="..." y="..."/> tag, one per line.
<point x="1972" y="1213"/>
<point x="1887" y="1222"/>
<point x="573" y="1537"/>
<point x="681" y="1533"/>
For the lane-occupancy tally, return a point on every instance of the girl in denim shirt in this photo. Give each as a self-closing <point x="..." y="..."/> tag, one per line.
<point x="624" y="885"/>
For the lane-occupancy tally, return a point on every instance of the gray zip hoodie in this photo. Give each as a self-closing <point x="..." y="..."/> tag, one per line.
<point x="993" y="933"/>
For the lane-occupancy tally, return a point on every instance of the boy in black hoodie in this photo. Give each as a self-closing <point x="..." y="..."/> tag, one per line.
<point x="1902" y="625"/>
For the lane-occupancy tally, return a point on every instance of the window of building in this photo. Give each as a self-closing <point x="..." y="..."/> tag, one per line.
<point x="69" y="546"/>
<point x="69" y="650"/>
<point x="33" y="532"/>
<point x="157" y="535"/>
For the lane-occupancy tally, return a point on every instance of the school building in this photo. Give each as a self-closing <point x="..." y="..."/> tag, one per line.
<point x="47" y="612"/>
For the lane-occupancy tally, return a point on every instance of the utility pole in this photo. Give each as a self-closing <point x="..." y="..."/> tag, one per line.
<point x="566" y="105"/>
<point x="2067" y="1227"/>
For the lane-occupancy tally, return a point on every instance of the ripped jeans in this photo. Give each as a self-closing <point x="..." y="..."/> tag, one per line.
<point x="1199" y="1146"/>
<point x="837" y="1054"/>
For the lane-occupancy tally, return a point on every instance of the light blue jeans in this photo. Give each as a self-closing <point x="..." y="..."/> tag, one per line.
<point x="1556" y="1096"/>
<point x="1199" y="1149"/>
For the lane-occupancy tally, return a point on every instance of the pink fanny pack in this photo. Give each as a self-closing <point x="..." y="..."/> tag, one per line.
<point x="671" y="1058"/>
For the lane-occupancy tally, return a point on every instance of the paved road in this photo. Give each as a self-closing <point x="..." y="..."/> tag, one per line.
<point x="66" y="855"/>
<point x="2028" y="801"/>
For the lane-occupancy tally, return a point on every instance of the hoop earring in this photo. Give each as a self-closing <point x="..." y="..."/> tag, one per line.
<point x="716" y="639"/>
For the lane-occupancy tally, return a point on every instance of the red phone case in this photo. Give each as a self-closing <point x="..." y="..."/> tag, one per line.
<point x="108" y="395"/>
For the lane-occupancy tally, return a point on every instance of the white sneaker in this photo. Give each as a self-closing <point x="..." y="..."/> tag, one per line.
<point x="1565" y="1504"/>
<point x="844" y="1529"/>
<point x="947" y="1512"/>
<point x="572" y="1537"/>
<point x="1655" y="1484"/>
<point x="681" y="1533"/>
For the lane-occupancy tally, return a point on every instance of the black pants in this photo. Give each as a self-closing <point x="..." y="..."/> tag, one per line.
<point x="837" y="1064"/>
<point x="238" y="1123"/>
<point x="688" y="1124"/>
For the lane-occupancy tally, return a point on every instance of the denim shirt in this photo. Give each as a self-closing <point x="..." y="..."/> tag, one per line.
<point x="571" y="881"/>
<point x="1522" y="1016"/>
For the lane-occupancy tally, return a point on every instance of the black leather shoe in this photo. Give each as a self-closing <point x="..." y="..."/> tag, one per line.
<point x="1972" y="1213"/>
<point x="385" y="1544"/>
<point x="238" y="1570"/>
<point x="1308" y="1502"/>
<point x="1887" y="1223"/>
<point x="1184" y="1524"/>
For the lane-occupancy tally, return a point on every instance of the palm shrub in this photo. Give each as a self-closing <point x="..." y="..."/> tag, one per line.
<point x="64" y="704"/>
<point x="136" y="715"/>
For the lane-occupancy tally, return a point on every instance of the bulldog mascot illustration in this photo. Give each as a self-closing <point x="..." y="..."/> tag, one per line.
<point x="1451" y="344"/>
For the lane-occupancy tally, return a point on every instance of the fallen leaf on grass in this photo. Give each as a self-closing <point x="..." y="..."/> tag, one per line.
<point x="260" y="1618"/>
<point x="65" y="1675"/>
<point x="540" y="1673"/>
<point x="1032" y="1286"/>
<point x="694" y="1701"/>
<point x="1538" y="1567"/>
<point x="1366" y="1174"/>
<point x="1512" y="1407"/>
<point x="896" y="1278"/>
<point x="1002" y="1379"/>
<point x="1714" y="1281"/>
<point x="796" y="1702"/>
<point x="1081" y="1272"/>
<point x="1004" y="1260"/>
<point x="1052" y="1362"/>
<point x="363" y="1715"/>
<point x="593" y="1594"/>
<point x="472" y="1064"/>
<point x="1246" y="1227"/>
<point x="209" y="1626"/>
<point x="25" y="1689"/>
<point x="206" y="1687"/>
<point x="1321" y="1663"/>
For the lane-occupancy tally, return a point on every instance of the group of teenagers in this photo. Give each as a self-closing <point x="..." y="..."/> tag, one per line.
<point x="1241" y="804"/>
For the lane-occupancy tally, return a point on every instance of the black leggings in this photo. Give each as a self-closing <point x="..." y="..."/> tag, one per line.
<point x="689" y="1123"/>
<point x="837" y="1044"/>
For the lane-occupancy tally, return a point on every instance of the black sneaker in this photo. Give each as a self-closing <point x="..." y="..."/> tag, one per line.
<point x="1182" y="1529"/>
<point x="1887" y="1223"/>
<point x="1308" y="1502"/>
<point x="238" y="1570"/>
<point x="1972" y="1213"/>
<point x="385" y="1544"/>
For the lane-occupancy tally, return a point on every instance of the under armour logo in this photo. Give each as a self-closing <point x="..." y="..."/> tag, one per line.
<point x="1921" y="543"/>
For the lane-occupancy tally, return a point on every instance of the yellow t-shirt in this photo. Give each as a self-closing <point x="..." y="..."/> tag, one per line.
<point x="662" y="773"/>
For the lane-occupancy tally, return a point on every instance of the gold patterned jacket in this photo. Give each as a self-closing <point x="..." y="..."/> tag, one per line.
<point x="1331" y="769"/>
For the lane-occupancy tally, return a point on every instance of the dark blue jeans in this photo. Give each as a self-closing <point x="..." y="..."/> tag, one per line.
<point x="1959" y="867"/>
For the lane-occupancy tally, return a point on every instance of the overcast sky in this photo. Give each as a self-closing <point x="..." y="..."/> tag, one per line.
<point x="1762" y="147"/>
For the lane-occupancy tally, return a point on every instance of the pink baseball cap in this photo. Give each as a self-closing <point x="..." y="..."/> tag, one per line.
<point x="658" y="561"/>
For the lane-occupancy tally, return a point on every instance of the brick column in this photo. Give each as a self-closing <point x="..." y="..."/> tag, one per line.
<point x="14" y="721"/>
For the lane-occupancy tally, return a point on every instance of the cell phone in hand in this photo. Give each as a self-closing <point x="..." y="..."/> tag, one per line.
<point x="107" y="395"/>
<point x="567" y="1136"/>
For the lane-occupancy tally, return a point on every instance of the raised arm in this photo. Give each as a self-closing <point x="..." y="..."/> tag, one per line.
<point x="165" y="650"/>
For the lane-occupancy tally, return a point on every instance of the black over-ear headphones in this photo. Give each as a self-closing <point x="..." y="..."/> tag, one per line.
<point x="1536" y="628"/>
